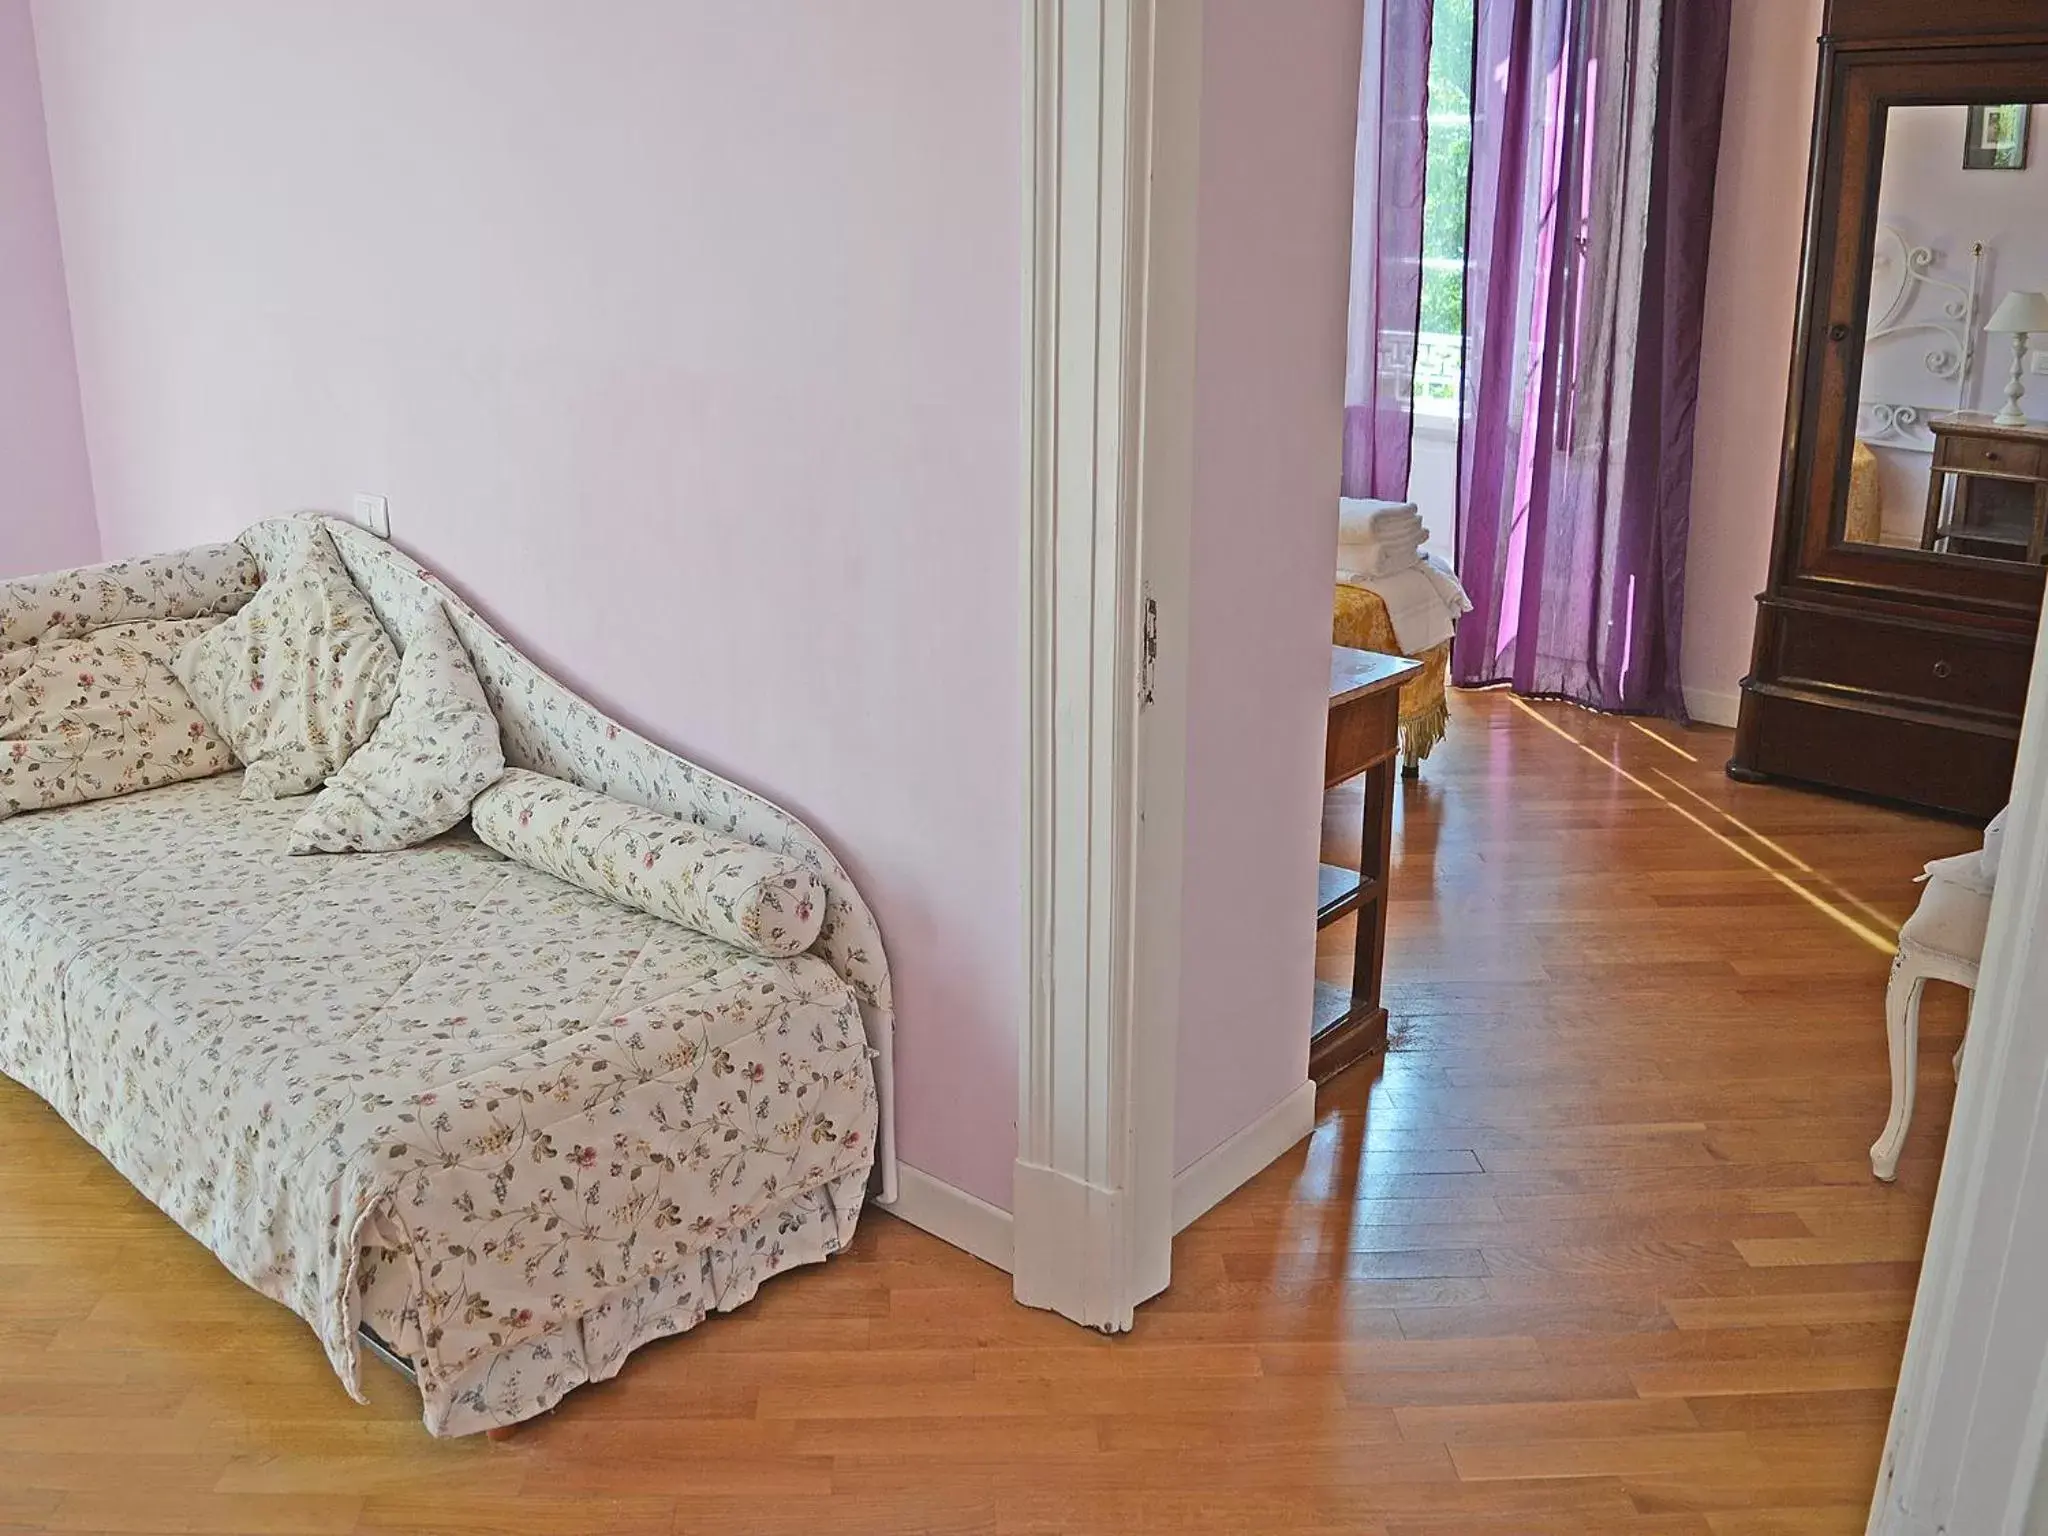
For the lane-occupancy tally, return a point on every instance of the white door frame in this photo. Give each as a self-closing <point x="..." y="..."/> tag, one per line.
<point x="1112" y="93"/>
<point x="1967" y="1451"/>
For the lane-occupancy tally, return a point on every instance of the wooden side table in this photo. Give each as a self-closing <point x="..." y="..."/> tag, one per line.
<point x="1364" y="736"/>
<point x="1999" y="503"/>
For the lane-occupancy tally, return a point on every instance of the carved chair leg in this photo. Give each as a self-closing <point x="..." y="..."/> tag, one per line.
<point x="1902" y="1027"/>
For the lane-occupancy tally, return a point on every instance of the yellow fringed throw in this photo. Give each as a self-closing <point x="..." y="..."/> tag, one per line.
<point x="1360" y="620"/>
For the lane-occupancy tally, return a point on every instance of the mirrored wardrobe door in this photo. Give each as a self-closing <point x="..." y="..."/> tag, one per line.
<point x="1896" y="629"/>
<point x="1950" y="455"/>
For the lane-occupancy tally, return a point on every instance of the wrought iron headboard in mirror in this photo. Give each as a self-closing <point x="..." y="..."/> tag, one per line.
<point x="1911" y="300"/>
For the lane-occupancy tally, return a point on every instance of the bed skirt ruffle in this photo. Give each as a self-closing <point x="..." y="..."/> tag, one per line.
<point x="535" y="1374"/>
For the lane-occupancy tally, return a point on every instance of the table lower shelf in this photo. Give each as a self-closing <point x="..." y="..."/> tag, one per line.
<point x="1340" y="892"/>
<point x="1342" y="1035"/>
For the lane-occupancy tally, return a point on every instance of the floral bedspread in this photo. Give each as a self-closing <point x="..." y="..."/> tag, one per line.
<point x="534" y="1122"/>
<point x="550" y="730"/>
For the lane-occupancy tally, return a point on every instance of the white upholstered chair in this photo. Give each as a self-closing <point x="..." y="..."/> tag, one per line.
<point x="1942" y="941"/>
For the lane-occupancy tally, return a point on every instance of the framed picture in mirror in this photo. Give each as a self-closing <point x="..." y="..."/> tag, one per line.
<point x="1996" y="138"/>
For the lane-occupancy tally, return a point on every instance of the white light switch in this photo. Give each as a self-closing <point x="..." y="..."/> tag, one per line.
<point x="2039" y="361"/>
<point x="374" y="513"/>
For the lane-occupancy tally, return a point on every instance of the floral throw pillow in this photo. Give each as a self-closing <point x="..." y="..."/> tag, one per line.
<point x="761" y="901"/>
<point x="436" y="751"/>
<point x="91" y="716"/>
<point x="299" y="678"/>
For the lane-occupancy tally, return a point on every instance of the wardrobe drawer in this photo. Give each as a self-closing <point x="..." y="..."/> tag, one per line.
<point x="1996" y="456"/>
<point x="1875" y="750"/>
<point x="1940" y="667"/>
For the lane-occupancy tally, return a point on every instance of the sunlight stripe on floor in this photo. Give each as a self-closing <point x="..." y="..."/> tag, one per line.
<point x="1868" y="935"/>
<point x="1663" y="741"/>
<point x="1780" y="850"/>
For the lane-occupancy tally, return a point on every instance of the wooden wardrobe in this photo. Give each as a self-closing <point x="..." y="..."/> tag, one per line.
<point x="1892" y="653"/>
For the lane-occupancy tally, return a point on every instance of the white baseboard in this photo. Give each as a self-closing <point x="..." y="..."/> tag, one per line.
<point x="974" y="1226"/>
<point x="1713" y="706"/>
<point x="1205" y="1182"/>
<point x="952" y="1215"/>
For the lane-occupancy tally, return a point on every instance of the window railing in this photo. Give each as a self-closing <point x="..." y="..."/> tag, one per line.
<point x="1433" y="360"/>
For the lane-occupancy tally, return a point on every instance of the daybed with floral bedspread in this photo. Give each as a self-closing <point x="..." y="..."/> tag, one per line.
<point x="513" y="1126"/>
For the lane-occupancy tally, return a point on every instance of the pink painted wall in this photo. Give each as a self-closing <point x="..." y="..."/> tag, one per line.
<point x="1752" y="284"/>
<point x="683" y="335"/>
<point x="46" y="513"/>
<point x="1279" y="119"/>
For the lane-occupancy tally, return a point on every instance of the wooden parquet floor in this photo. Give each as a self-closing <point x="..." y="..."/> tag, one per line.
<point x="1595" y="1250"/>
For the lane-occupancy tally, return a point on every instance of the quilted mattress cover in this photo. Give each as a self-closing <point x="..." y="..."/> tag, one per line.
<point x="517" y="1127"/>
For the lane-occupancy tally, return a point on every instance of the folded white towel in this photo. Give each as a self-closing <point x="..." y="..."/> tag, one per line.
<point x="1446" y="582"/>
<point x="1360" y="519"/>
<point x="1408" y="531"/>
<point x="1424" y="601"/>
<point x="1376" y="560"/>
<point x="1406" y="539"/>
<point x="1392" y="519"/>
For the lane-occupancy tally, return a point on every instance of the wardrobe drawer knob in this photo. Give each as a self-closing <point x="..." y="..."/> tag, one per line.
<point x="1941" y="670"/>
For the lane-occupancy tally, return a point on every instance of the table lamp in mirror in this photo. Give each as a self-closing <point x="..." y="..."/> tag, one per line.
<point x="2019" y="314"/>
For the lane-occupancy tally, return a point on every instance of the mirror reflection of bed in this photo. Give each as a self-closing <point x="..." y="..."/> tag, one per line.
<point x="1950" y="454"/>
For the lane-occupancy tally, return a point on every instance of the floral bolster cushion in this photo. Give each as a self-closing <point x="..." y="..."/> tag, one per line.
<point x="298" y="679"/>
<point x="96" y="715"/>
<point x="765" y="902"/>
<point x="434" y="753"/>
<point x="208" y="581"/>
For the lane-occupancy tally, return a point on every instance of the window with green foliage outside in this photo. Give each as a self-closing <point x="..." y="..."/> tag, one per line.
<point x="1439" y="347"/>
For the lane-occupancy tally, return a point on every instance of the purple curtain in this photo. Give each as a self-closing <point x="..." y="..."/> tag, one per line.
<point x="1386" y="248"/>
<point x="1595" y="135"/>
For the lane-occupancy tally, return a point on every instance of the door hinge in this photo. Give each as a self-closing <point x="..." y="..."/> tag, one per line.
<point x="1148" y="651"/>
